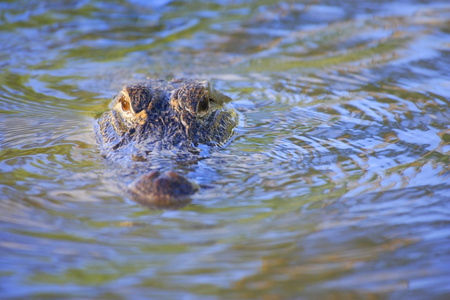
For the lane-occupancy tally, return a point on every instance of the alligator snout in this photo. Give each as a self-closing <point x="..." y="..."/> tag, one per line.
<point x="162" y="189"/>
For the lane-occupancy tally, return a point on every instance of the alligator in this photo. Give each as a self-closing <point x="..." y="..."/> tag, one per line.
<point x="159" y="116"/>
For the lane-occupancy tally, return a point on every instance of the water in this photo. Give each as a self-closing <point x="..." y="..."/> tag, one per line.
<point x="336" y="185"/>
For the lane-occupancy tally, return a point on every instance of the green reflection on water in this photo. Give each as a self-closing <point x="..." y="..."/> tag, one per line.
<point x="91" y="275"/>
<point x="284" y="64"/>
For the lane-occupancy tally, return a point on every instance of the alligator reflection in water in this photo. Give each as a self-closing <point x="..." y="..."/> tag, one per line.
<point x="158" y="115"/>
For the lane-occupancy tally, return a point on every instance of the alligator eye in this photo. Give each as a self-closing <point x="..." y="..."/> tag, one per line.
<point x="203" y="105"/>
<point x="125" y="104"/>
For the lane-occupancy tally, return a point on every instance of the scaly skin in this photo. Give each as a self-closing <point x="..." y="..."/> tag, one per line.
<point x="158" y="115"/>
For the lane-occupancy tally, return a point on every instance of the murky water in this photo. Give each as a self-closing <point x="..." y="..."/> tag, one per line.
<point x="337" y="184"/>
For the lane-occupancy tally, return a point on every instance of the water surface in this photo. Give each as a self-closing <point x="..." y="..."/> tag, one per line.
<point x="336" y="184"/>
